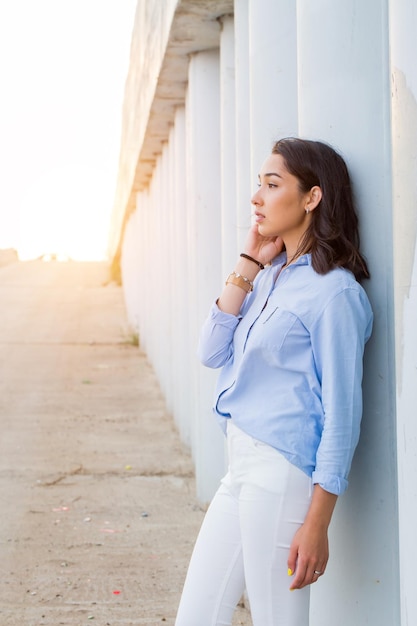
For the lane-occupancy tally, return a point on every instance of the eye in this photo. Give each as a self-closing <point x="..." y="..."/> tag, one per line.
<point x="272" y="186"/>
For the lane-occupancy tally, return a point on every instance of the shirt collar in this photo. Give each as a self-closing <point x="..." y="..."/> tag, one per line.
<point x="304" y="259"/>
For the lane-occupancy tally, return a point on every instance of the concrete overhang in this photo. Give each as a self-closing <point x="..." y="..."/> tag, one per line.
<point x="195" y="26"/>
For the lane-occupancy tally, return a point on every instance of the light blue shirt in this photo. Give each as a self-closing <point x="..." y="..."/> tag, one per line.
<point x="292" y="365"/>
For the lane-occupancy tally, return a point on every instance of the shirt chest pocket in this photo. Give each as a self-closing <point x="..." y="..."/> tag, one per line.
<point x="271" y="328"/>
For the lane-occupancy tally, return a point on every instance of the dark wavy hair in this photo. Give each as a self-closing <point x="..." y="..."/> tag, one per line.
<point x="332" y="237"/>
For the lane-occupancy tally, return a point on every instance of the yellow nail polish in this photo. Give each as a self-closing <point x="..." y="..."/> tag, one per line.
<point x="289" y="572"/>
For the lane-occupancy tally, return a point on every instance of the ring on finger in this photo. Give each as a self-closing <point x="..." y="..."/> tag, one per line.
<point x="318" y="573"/>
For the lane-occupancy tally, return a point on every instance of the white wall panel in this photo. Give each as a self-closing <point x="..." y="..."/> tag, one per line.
<point x="245" y="185"/>
<point x="403" y="14"/>
<point x="273" y="76"/>
<point x="229" y="246"/>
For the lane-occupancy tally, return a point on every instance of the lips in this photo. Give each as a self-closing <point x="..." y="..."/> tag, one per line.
<point x="259" y="217"/>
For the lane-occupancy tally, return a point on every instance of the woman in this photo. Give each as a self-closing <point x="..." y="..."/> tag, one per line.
<point x="289" y="331"/>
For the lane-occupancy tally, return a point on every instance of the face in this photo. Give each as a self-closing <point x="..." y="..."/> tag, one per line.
<point x="280" y="206"/>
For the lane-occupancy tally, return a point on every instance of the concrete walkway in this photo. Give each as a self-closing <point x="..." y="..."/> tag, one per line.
<point x="97" y="494"/>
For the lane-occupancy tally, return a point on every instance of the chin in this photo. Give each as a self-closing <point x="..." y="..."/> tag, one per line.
<point x="267" y="232"/>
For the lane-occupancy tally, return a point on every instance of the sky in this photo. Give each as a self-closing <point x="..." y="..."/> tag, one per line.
<point x="63" y="65"/>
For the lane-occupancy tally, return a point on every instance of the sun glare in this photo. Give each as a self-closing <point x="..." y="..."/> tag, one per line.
<point x="63" y="68"/>
<point x="65" y="214"/>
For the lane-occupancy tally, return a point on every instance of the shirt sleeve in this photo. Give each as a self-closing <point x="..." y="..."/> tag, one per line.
<point x="216" y="337"/>
<point x="338" y="339"/>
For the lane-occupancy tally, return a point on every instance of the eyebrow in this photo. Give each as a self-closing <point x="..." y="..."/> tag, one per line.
<point x="270" y="174"/>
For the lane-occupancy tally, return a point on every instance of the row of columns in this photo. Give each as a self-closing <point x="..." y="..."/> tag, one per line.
<point x="319" y="70"/>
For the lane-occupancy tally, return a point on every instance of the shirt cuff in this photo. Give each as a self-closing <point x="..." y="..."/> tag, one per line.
<point x="222" y="318"/>
<point x="330" y="482"/>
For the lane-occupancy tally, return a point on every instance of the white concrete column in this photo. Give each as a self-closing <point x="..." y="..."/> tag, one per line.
<point x="165" y="263"/>
<point x="273" y="75"/>
<point x="150" y="275"/>
<point x="204" y="235"/>
<point x="144" y="237"/>
<point x="181" y="313"/>
<point x="127" y="265"/>
<point x="154" y="292"/>
<point x="403" y="47"/>
<point x="344" y="98"/>
<point x="171" y="260"/>
<point x="245" y="185"/>
<point x="228" y="145"/>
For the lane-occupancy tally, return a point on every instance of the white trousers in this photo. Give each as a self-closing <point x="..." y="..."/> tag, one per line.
<point x="244" y="541"/>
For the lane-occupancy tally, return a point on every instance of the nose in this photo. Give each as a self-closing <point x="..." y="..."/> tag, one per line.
<point x="256" y="198"/>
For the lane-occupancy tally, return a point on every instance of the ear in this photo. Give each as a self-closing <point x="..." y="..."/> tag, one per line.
<point x="313" y="198"/>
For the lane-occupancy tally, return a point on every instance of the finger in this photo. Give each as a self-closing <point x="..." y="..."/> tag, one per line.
<point x="313" y="576"/>
<point x="293" y="556"/>
<point x="292" y="561"/>
<point x="318" y="572"/>
<point x="306" y="577"/>
<point x="299" y="576"/>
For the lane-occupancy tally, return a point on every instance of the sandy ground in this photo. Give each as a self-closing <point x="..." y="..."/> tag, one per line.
<point x="97" y="495"/>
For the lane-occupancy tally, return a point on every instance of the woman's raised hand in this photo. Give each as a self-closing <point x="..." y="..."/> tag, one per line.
<point x="261" y="248"/>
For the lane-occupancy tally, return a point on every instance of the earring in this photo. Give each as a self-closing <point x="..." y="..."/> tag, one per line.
<point x="307" y="210"/>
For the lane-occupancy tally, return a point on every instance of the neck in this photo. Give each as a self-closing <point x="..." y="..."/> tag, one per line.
<point x="295" y="250"/>
<point x="292" y="255"/>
